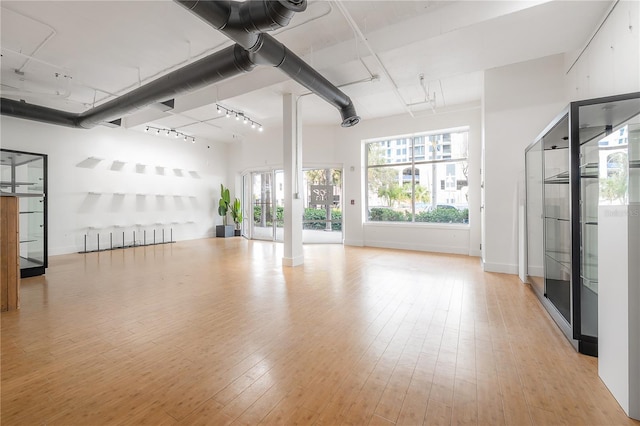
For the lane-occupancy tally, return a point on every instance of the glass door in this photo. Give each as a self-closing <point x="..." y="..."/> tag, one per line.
<point x="535" y="217"/>
<point x="557" y="223"/>
<point x="604" y="132"/>
<point x="262" y="203"/>
<point x="322" y="221"/>
<point x="278" y="202"/>
<point x="589" y="195"/>
<point x="264" y="206"/>
<point x="247" y="206"/>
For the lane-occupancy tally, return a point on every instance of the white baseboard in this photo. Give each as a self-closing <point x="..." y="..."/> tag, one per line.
<point x="356" y="243"/>
<point x="57" y="251"/>
<point x="418" y="247"/>
<point x="475" y="253"/>
<point x="503" y="268"/>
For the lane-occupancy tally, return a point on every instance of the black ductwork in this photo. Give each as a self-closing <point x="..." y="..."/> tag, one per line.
<point x="300" y="71"/>
<point x="243" y="23"/>
<point x="27" y="111"/>
<point x="216" y="67"/>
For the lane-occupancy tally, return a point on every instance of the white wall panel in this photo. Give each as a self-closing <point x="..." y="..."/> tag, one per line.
<point x="177" y="187"/>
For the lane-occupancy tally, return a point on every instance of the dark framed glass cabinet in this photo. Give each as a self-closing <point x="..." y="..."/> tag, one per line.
<point x="566" y="177"/>
<point x="24" y="175"/>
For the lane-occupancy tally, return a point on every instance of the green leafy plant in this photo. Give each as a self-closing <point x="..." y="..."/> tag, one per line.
<point x="224" y="204"/>
<point x="236" y="213"/>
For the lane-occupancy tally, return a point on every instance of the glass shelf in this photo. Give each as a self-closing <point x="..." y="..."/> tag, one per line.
<point x="561" y="258"/>
<point x="561" y="178"/>
<point x="589" y="171"/>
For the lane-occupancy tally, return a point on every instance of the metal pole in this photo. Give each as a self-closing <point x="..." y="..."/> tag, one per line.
<point x="111" y="240"/>
<point x="134" y="238"/>
<point x="98" y="241"/>
<point x="85" y="243"/>
<point x="162" y="235"/>
<point x="154" y="236"/>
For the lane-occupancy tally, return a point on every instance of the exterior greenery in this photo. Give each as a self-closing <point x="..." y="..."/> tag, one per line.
<point x="614" y="187"/>
<point x="313" y="218"/>
<point x="419" y="178"/>
<point x="437" y="215"/>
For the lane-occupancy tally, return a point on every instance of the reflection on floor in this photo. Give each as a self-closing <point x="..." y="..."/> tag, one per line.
<point x="309" y="236"/>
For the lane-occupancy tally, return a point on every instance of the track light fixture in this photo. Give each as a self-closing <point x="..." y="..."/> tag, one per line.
<point x="228" y="112"/>
<point x="170" y="132"/>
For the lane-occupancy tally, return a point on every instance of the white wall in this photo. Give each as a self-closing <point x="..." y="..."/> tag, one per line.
<point x="184" y="191"/>
<point x="519" y="101"/>
<point x="611" y="63"/>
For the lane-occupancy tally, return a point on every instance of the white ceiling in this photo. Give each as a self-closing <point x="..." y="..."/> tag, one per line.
<point x="72" y="55"/>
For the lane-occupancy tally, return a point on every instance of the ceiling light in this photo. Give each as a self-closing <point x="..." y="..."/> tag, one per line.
<point x="176" y="134"/>
<point x="245" y="120"/>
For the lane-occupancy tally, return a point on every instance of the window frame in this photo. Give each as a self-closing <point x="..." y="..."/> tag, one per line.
<point x="420" y="140"/>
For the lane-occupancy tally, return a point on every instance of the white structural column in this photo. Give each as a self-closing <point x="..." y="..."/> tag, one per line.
<point x="293" y="208"/>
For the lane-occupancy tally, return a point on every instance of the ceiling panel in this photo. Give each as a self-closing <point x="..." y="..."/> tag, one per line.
<point x="73" y="55"/>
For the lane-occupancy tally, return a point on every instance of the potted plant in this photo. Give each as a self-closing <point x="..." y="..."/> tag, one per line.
<point x="224" y="204"/>
<point x="236" y="214"/>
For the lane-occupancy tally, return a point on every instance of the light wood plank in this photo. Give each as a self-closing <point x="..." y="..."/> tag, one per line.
<point x="218" y="332"/>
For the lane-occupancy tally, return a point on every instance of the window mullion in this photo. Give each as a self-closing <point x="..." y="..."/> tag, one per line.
<point x="413" y="179"/>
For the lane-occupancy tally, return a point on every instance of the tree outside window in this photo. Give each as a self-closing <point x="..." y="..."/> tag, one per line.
<point x="430" y="184"/>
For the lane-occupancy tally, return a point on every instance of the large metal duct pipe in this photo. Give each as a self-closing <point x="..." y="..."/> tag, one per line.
<point x="276" y="54"/>
<point x="244" y="23"/>
<point x="241" y="22"/>
<point x="27" y="111"/>
<point x="216" y="67"/>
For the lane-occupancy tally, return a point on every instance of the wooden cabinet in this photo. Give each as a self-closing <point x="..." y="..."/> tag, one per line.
<point x="9" y="253"/>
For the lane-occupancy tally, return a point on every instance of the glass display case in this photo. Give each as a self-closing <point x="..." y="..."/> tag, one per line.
<point x="24" y="174"/>
<point x="564" y="178"/>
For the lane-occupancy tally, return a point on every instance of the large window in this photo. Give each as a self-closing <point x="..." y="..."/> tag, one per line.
<point x="425" y="181"/>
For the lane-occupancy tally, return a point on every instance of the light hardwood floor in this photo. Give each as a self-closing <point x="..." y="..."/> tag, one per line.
<point x="217" y="331"/>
